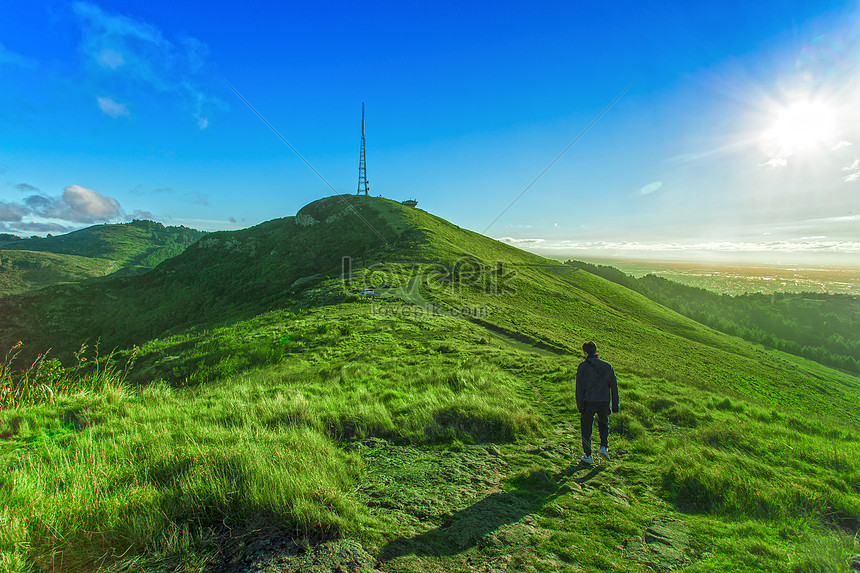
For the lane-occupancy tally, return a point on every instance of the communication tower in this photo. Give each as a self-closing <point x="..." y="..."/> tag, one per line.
<point x="362" y="167"/>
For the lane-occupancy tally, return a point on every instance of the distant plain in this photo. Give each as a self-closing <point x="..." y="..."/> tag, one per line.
<point x="739" y="278"/>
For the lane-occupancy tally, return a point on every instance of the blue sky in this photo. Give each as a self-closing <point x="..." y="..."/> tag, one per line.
<point x="739" y="138"/>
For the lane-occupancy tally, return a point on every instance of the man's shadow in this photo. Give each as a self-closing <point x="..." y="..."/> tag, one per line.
<point x="469" y="526"/>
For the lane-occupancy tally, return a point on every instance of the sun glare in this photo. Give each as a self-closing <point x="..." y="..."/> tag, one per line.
<point x="800" y="127"/>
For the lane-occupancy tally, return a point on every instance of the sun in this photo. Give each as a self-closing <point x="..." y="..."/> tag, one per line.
<point x="799" y="127"/>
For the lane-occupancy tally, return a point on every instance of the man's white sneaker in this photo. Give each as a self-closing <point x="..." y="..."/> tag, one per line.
<point x="604" y="452"/>
<point x="587" y="460"/>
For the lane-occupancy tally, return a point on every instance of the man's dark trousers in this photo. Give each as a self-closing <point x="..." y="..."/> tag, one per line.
<point x="586" y="423"/>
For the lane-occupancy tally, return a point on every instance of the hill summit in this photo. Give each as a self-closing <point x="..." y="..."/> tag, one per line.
<point x="233" y="274"/>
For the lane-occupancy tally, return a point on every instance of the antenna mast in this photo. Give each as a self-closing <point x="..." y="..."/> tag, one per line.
<point x="362" y="167"/>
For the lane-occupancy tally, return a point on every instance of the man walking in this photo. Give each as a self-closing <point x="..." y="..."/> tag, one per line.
<point x="596" y="386"/>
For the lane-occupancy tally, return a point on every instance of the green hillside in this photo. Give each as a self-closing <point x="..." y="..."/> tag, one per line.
<point x="22" y="271"/>
<point x="224" y="277"/>
<point x="88" y="253"/>
<point x="138" y="243"/>
<point x="274" y="406"/>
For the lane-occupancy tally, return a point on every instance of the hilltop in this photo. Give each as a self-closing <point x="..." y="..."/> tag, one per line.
<point x="238" y="274"/>
<point x="368" y="387"/>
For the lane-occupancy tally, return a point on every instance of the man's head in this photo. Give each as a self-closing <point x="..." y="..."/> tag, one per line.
<point x="589" y="348"/>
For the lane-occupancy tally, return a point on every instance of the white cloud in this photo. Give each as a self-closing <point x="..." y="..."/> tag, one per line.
<point x="204" y="224"/>
<point x="840" y="219"/>
<point x="518" y="242"/>
<point x="11" y="58"/>
<point x="802" y="245"/>
<point x="111" y="108"/>
<point x="77" y="204"/>
<point x="12" y="211"/>
<point x="114" y="41"/>
<point x="651" y="187"/>
<point x="109" y="58"/>
<point x="139" y="214"/>
<point x="144" y="59"/>
<point x="840" y="145"/>
<point x="852" y="171"/>
<point x="89" y="203"/>
<point x="36" y="227"/>
<point x="774" y="163"/>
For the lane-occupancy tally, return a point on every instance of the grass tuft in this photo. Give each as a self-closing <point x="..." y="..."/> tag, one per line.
<point x="627" y="426"/>
<point x="45" y="380"/>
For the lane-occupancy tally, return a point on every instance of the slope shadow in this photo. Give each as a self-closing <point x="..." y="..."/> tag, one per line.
<point x="466" y="528"/>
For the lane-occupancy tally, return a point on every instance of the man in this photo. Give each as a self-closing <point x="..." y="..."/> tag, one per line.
<point x="596" y="386"/>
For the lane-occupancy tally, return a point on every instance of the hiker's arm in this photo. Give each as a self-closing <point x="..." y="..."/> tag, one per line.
<point x="580" y="388"/>
<point x="613" y="385"/>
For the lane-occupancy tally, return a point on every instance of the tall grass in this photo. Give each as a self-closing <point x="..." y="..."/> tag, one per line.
<point x="153" y="470"/>
<point x="160" y="466"/>
<point x="472" y="403"/>
<point x="750" y="469"/>
<point x="45" y="379"/>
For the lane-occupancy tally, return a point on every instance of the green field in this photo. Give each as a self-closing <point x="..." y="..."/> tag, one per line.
<point x="260" y="414"/>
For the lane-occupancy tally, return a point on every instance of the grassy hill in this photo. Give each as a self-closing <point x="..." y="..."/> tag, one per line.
<point x="138" y="243"/>
<point x="224" y="277"/>
<point x="30" y="264"/>
<point x="273" y="418"/>
<point x="22" y="271"/>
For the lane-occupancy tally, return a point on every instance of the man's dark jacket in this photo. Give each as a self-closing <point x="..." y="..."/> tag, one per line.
<point x="596" y="382"/>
